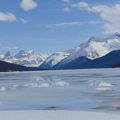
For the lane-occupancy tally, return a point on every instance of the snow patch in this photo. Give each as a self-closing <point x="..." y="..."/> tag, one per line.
<point x="104" y="86"/>
<point x="61" y="83"/>
<point x="36" y="85"/>
<point x="2" y="88"/>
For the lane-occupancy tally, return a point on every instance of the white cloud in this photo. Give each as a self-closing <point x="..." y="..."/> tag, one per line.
<point x="28" y="4"/>
<point x="66" y="9"/>
<point x="10" y="17"/>
<point x="7" y="17"/>
<point x="23" y="20"/>
<point x="110" y="14"/>
<point x="69" y="24"/>
<point x="82" y="5"/>
<point x="64" y="24"/>
<point x="66" y="1"/>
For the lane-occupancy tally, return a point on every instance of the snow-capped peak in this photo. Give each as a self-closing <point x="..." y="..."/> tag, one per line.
<point x="7" y="54"/>
<point x="23" y="53"/>
<point x="114" y="36"/>
<point x="95" y="48"/>
<point x="93" y="39"/>
<point x="25" y="58"/>
<point x="54" y="59"/>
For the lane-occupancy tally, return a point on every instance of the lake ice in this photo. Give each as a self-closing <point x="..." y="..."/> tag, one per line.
<point x="92" y="89"/>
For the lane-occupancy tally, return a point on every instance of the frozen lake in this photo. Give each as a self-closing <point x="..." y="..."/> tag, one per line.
<point x="64" y="90"/>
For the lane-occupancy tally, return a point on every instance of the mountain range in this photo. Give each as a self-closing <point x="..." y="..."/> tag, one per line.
<point x="25" y="58"/>
<point x="90" y="51"/>
<point x="94" y="53"/>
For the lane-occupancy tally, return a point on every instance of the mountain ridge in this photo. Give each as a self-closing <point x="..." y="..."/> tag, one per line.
<point x="111" y="60"/>
<point x="25" y="58"/>
<point x="10" y="67"/>
<point x="90" y="50"/>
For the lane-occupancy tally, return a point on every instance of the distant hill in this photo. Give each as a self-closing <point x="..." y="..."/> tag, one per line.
<point x="5" y="67"/>
<point x="116" y="66"/>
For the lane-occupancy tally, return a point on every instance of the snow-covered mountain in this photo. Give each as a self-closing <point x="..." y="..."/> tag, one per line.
<point x="54" y="59"/>
<point x="95" y="48"/>
<point x="92" y="49"/>
<point x="25" y="58"/>
<point x="111" y="60"/>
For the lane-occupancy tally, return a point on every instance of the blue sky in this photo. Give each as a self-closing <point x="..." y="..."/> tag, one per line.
<point x="55" y="25"/>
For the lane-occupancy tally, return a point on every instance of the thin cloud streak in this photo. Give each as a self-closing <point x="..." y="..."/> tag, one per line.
<point x="69" y="24"/>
